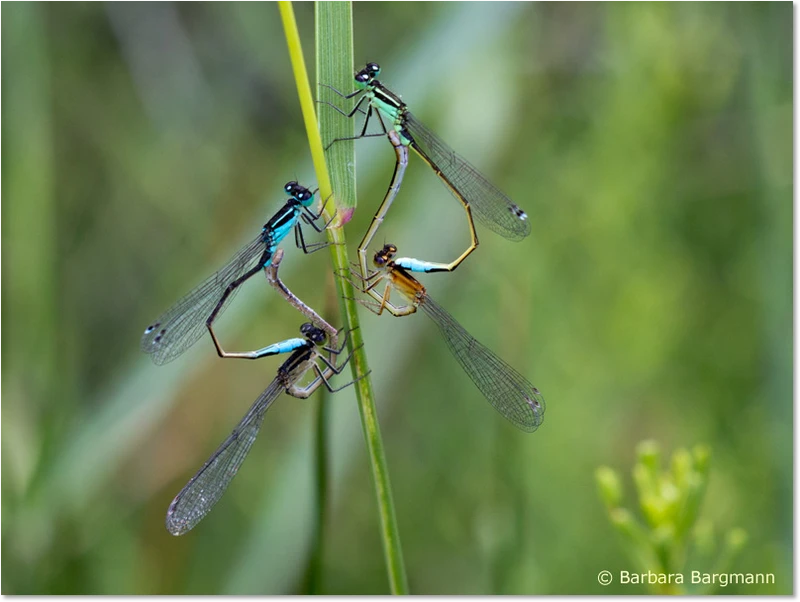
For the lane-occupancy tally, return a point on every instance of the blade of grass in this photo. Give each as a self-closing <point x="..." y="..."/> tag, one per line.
<point x="334" y="62"/>
<point x="330" y="14"/>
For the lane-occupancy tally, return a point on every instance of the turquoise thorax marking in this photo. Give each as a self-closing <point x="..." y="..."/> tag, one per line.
<point x="283" y="223"/>
<point x="279" y="226"/>
<point x="388" y="103"/>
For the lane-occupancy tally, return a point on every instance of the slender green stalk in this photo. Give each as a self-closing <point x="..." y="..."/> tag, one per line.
<point x="335" y="23"/>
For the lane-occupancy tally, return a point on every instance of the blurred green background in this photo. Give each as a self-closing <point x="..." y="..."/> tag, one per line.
<point x="650" y="144"/>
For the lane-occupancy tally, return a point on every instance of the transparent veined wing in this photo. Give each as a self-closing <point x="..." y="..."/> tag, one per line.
<point x="177" y="329"/>
<point x="506" y="389"/>
<point x="206" y="488"/>
<point x="489" y="204"/>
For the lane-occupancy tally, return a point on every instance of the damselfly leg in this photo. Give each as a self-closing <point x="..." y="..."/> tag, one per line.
<point x="271" y="272"/>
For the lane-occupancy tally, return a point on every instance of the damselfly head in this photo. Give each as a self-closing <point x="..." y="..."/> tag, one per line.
<point x="385" y="255"/>
<point x="367" y="74"/>
<point x="312" y="333"/>
<point x="299" y="193"/>
<point x="304" y="195"/>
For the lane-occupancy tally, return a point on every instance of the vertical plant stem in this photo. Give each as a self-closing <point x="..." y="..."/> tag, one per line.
<point x="328" y="15"/>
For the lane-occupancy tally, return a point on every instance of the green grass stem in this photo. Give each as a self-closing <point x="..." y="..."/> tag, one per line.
<point x="334" y="57"/>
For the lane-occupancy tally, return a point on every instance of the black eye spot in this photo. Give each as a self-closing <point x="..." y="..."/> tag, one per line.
<point x="151" y="328"/>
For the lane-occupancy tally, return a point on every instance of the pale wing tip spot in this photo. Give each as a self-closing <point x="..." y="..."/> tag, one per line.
<point x="519" y="213"/>
<point x="537" y="406"/>
<point x="176" y="526"/>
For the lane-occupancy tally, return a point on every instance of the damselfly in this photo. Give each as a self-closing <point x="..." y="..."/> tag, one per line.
<point x="477" y="195"/>
<point x="505" y="388"/>
<point x="184" y="323"/>
<point x="206" y="487"/>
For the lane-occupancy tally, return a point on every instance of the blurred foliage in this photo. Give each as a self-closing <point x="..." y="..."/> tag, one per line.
<point x="650" y="144"/>
<point x="670" y="502"/>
